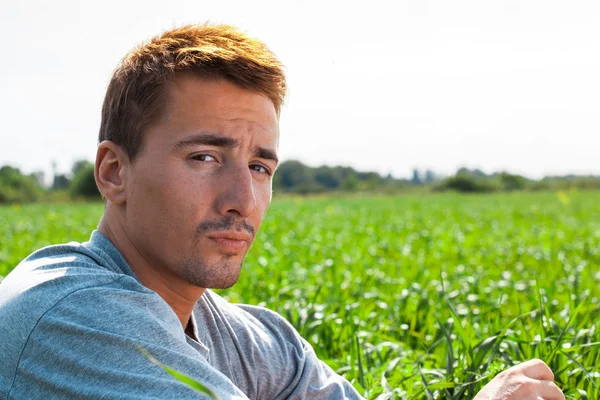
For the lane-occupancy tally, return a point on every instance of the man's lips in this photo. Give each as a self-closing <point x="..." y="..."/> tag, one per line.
<point x="231" y="241"/>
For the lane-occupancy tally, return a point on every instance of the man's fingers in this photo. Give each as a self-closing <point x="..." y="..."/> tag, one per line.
<point x="537" y="369"/>
<point x="548" y="390"/>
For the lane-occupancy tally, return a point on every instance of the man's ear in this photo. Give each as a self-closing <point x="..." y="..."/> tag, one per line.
<point x="111" y="171"/>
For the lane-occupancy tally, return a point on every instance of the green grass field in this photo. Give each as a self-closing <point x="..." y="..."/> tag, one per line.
<point x="422" y="297"/>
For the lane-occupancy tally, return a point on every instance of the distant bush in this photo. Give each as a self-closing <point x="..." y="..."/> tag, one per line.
<point x="585" y="182"/>
<point x="566" y="183"/>
<point x="60" y="182"/>
<point x="295" y="177"/>
<point x="475" y="181"/>
<point x="468" y="184"/>
<point x="16" y="187"/>
<point x="512" y="182"/>
<point x="83" y="183"/>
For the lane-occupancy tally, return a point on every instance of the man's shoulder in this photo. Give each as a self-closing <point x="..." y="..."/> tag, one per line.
<point x="66" y="287"/>
<point x="53" y="272"/>
<point x="49" y="276"/>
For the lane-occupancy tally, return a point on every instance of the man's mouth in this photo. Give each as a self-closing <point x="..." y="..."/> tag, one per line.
<point x="231" y="241"/>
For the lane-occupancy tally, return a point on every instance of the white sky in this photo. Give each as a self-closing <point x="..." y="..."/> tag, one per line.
<point x="384" y="86"/>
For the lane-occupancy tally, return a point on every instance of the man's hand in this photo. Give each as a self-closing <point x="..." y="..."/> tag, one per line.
<point x="531" y="380"/>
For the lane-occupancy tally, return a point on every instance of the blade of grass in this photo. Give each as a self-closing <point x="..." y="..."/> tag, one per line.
<point x="191" y="382"/>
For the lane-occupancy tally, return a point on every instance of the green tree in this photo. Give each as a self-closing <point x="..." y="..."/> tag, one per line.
<point x="416" y="177"/>
<point x="512" y="182"/>
<point x="468" y="183"/>
<point x="60" y="182"/>
<point x="331" y="178"/>
<point x="83" y="183"/>
<point x="350" y="183"/>
<point x="294" y="176"/>
<point x="16" y="187"/>
<point x="78" y="166"/>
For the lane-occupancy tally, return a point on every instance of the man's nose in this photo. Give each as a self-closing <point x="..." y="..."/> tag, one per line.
<point x="237" y="194"/>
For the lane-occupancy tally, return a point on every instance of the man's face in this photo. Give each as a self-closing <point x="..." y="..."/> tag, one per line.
<point x="201" y="183"/>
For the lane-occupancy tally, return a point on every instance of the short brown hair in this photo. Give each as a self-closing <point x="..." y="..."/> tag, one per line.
<point x="136" y="91"/>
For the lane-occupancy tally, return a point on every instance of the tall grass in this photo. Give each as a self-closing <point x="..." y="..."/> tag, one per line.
<point x="411" y="297"/>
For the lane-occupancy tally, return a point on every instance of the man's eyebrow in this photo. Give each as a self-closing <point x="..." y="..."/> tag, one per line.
<point x="212" y="139"/>
<point x="208" y="139"/>
<point x="267" y="154"/>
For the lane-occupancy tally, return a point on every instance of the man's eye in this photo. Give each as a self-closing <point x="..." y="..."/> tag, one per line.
<point x="203" y="157"/>
<point x="260" y="168"/>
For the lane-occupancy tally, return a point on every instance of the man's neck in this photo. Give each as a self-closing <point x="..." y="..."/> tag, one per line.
<point x="179" y="294"/>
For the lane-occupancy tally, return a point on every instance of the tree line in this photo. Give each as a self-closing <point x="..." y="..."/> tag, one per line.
<point x="17" y="187"/>
<point x="297" y="178"/>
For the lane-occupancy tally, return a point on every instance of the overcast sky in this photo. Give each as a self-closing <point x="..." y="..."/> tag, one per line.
<point x="385" y="86"/>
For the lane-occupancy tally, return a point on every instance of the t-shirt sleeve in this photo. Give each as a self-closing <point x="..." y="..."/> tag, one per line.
<point x="85" y="346"/>
<point x="293" y="370"/>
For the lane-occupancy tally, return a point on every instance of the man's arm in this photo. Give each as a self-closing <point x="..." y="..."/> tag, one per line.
<point x="291" y="368"/>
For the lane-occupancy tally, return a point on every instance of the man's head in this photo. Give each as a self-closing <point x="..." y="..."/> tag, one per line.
<point x="136" y="94"/>
<point x="188" y="144"/>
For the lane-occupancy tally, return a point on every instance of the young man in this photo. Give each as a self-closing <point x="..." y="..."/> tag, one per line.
<point x="188" y="146"/>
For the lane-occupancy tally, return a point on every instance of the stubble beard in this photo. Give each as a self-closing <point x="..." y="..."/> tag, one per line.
<point x="221" y="274"/>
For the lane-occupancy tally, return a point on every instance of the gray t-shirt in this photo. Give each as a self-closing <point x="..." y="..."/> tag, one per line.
<point x="72" y="315"/>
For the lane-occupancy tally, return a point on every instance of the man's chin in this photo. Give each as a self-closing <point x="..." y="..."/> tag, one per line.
<point x="220" y="274"/>
<point x="223" y="285"/>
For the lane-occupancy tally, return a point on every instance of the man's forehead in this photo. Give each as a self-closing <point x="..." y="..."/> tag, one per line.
<point x="191" y="97"/>
<point x="217" y="94"/>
